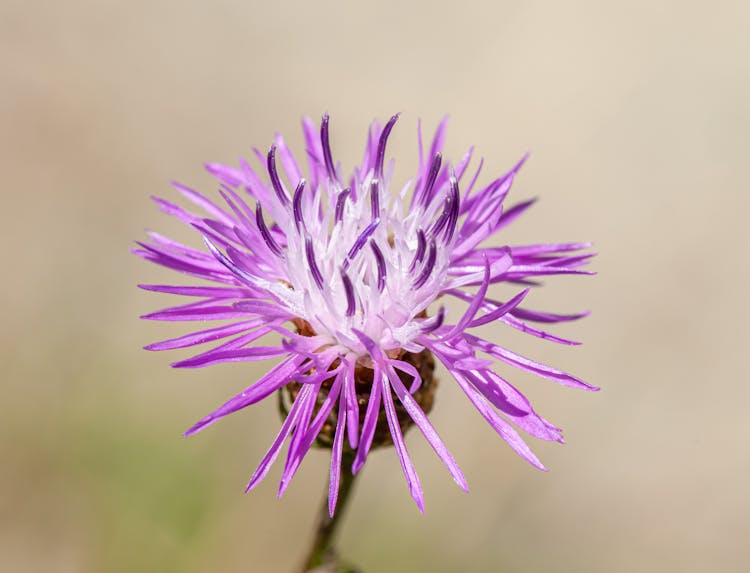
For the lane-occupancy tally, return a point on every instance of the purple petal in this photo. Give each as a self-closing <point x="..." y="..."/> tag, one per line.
<point x="296" y="446"/>
<point x="313" y="264"/>
<point x="307" y="432"/>
<point x="425" y="195"/>
<point x="294" y="413"/>
<point x="380" y="262"/>
<point x="528" y="329"/>
<point x="424" y="425"/>
<point x="274" y="379"/>
<point x="416" y="378"/>
<point x="340" y="203"/>
<point x="352" y="405"/>
<point x="204" y="203"/>
<point x="224" y="260"/>
<point x="240" y="209"/>
<point x="503" y="428"/>
<point x="547" y="248"/>
<point x="380" y="158"/>
<point x="421" y="248"/>
<point x="265" y="233"/>
<point x="464" y="245"/>
<point x="288" y="163"/>
<point x="471" y="363"/>
<point x="360" y="242"/>
<point x="267" y="310"/>
<point x="314" y="152"/>
<point x="229" y="175"/>
<point x="180" y="313"/>
<point x="474" y="306"/>
<point x="438" y="140"/>
<point x="526" y="364"/>
<point x="351" y="305"/>
<point x="467" y="203"/>
<point x="336" y="452"/>
<point x="273" y="174"/>
<point x="571" y="262"/>
<point x="325" y="144"/>
<point x="215" y="292"/>
<point x="506" y="398"/>
<point x="333" y="396"/>
<point x="415" y="488"/>
<point x="374" y="199"/>
<point x="369" y="423"/>
<point x="204" y="336"/>
<point x="547" y="317"/>
<point x="453" y="208"/>
<point x="225" y="232"/>
<point x="501" y="311"/>
<point x="297" y="204"/>
<point x="234" y="355"/>
<point x="470" y="274"/>
<point x="435" y="322"/>
<point x="254" y="185"/>
<point x="524" y="271"/>
<point x="513" y="213"/>
<point x="183" y="263"/>
<point x="428" y="267"/>
<point x="464" y="163"/>
<point x="174" y="210"/>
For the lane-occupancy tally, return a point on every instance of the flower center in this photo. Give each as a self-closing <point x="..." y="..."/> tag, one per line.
<point x="423" y="362"/>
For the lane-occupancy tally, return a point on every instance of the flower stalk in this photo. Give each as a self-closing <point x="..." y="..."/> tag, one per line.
<point x="322" y="553"/>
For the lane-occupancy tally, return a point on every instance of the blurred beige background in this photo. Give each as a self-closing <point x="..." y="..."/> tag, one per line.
<point x="637" y="117"/>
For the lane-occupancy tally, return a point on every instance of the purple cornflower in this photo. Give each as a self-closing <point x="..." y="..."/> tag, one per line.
<point x="346" y="271"/>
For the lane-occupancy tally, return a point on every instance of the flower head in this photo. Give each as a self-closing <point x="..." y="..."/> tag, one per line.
<point x="345" y="272"/>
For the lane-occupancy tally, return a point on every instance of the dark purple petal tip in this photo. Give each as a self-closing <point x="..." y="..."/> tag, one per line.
<point x="313" y="264"/>
<point x="297" y="204"/>
<point x="382" y="142"/>
<point x="264" y="231"/>
<point x="349" y="289"/>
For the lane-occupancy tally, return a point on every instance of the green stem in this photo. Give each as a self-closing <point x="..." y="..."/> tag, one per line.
<point x="322" y="552"/>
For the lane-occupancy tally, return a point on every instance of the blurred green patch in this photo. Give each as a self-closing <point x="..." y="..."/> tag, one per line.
<point x="150" y="497"/>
